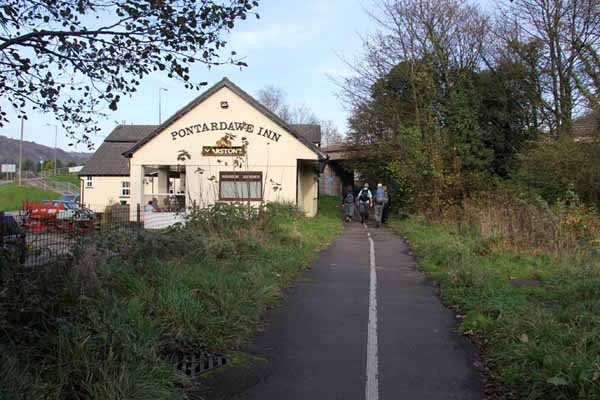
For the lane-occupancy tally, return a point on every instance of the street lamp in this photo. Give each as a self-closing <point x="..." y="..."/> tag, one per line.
<point x="159" y="104"/>
<point x="55" y="143"/>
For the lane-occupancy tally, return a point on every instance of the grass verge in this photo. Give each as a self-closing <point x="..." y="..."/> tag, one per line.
<point x="539" y="317"/>
<point x="66" y="178"/>
<point x="101" y="328"/>
<point x="12" y="196"/>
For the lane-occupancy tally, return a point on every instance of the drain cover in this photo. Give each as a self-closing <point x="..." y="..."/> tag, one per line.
<point x="195" y="364"/>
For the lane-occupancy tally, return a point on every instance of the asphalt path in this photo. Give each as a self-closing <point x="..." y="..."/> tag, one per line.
<point x="363" y="323"/>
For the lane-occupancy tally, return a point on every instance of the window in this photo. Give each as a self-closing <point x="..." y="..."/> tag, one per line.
<point x="88" y="182"/>
<point x="125" y="189"/>
<point x="240" y="186"/>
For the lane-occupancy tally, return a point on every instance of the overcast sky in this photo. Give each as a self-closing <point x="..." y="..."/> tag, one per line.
<point x="294" y="45"/>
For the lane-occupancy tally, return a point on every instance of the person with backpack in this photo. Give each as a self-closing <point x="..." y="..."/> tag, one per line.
<point x="365" y="201"/>
<point x="380" y="200"/>
<point x="387" y="206"/>
<point x="348" y="204"/>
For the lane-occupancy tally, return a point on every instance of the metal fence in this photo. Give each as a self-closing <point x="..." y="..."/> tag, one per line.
<point x="35" y="237"/>
<point x="49" y="230"/>
<point x="60" y="187"/>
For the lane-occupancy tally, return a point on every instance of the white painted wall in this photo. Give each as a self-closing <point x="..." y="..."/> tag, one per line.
<point x="277" y="160"/>
<point x="106" y="190"/>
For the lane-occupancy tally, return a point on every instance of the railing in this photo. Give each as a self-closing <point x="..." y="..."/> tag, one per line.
<point x="28" y="174"/>
<point x="61" y="187"/>
<point x="165" y="202"/>
<point x="38" y="235"/>
<point x="48" y="184"/>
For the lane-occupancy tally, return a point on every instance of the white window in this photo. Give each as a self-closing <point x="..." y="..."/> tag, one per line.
<point x="125" y="189"/>
<point x="239" y="186"/>
<point x="89" y="182"/>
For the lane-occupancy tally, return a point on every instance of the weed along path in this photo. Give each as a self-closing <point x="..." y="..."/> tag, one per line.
<point x="363" y="323"/>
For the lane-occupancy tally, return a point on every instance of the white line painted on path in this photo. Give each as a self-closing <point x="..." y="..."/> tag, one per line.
<point x="372" y="388"/>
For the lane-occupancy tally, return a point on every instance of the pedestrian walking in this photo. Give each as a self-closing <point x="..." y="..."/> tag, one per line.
<point x="386" y="206"/>
<point x="348" y="204"/>
<point x="380" y="199"/>
<point x="365" y="201"/>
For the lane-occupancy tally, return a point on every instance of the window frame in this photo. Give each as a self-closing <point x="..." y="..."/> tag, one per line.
<point x="244" y="177"/>
<point x="123" y="187"/>
<point x="89" y="183"/>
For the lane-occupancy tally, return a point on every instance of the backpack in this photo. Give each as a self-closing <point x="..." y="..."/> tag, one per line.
<point x="380" y="196"/>
<point x="349" y="198"/>
<point x="364" y="195"/>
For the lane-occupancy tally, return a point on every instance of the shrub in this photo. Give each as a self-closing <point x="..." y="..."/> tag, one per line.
<point x="101" y="328"/>
<point x="519" y="219"/>
<point x="554" y="166"/>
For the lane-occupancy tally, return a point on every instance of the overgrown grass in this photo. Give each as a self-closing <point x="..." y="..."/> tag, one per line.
<point x="539" y="313"/>
<point x="100" y="329"/>
<point x="12" y="196"/>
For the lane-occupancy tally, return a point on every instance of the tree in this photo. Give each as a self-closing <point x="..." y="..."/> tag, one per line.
<point x="411" y="111"/>
<point x="506" y="109"/>
<point x="72" y="57"/>
<point x="275" y="99"/>
<point x="48" y="165"/>
<point x="330" y="134"/>
<point x="28" y="165"/>
<point x="438" y="108"/>
<point x="567" y="30"/>
<point x="587" y="78"/>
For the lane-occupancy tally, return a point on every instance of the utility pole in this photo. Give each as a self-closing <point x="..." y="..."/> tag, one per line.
<point x="55" y="143"/>
<point x="159" y="104"/>
<point x="21" y="153"/>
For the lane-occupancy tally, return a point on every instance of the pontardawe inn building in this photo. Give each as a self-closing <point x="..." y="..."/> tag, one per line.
<point x="222" y="146"/>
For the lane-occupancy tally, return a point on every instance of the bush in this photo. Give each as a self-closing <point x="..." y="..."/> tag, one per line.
<point x="516" y="218"/>
<point x="554" y="166"/>
<point x="101" y="328"/>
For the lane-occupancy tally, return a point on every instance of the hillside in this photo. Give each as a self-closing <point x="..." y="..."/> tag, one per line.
<point x="9" y="152"/>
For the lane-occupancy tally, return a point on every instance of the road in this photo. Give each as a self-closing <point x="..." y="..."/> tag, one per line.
<point x="363" y="323"/>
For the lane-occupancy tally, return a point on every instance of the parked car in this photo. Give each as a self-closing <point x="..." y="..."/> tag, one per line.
<point x="73" y="198"/>
<point x="58" y="215"/>
<point x="69" y="209"/>
<point x="13" y="243"/>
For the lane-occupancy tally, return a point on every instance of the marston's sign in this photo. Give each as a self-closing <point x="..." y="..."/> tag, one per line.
<point x="225" y="126"/>
<point x="224" y="147"/>
<point x="223" y="151"/>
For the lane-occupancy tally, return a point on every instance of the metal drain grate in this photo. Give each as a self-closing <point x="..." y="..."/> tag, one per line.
<point x="195" y="364"/>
